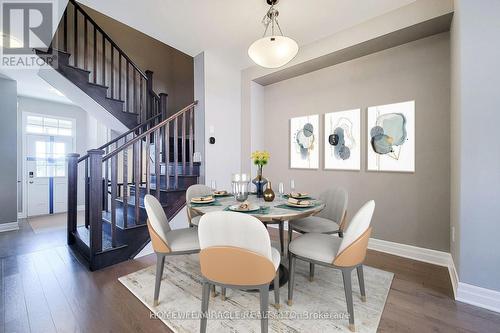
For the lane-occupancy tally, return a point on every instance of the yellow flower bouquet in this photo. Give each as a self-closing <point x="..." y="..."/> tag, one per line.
<point x="260" y="158"/>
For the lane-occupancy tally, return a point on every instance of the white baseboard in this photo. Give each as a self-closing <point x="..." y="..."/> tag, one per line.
<point x="21" y="215"/>
<point x="477" y="296"/>
<point x="439" y="258"/>
<point x="9" y="226"/>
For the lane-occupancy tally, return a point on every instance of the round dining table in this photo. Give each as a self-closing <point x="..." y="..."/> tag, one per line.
<point x="275" y="212"/>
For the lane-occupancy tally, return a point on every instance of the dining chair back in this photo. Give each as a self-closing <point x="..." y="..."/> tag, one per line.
<point x="157" y="224"/>
<point x="336" y="205"/>
<point x="236" y="252"/>
<point x="197" y="190"/>
<point x="352" y="249"/>
<point x="235" y="249"/>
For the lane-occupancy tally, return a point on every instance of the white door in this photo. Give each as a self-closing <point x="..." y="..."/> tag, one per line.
<point x="46" y="169"/>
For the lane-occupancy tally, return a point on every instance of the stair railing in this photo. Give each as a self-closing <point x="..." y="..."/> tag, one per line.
<point x="179" y="126"/>
<point x="92" y="49"/>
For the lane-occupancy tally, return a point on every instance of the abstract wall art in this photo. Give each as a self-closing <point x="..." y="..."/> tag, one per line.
<point x="304" y="142"/>
<point x="391" y="137"/>
<point x="343" y="140"/>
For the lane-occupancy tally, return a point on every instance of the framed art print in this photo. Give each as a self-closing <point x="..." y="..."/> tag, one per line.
<point x="304" y="142"/>
<point x="391" y="137"/>
<point x="342" y="142"/>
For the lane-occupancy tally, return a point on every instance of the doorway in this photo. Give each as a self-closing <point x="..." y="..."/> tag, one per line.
<point x="47" y="142"/>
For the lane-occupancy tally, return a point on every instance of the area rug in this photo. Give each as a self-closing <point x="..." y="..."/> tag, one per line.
<point x="55" y="222"/>
<point x="319" y="306"/>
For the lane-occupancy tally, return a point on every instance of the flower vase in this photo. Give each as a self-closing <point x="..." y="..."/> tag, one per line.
<point x="259" y="182"/>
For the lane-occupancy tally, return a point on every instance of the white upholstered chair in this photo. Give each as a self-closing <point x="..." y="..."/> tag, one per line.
<point x="197" y="190"/>
<point x="331" y="220"/>
<point x="166" y="241"/>
<point x="345" y="253"/>
<point x="236" y="253"/>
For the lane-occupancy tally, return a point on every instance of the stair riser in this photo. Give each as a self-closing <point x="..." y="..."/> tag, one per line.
<point x="131" y="211"/>
<point x="184" y="182"/>
<point x="165" y="197"/>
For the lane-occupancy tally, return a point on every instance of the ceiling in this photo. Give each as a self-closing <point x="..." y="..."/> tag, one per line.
<point x="30" y="84"/>
<point x="229" y="27"/>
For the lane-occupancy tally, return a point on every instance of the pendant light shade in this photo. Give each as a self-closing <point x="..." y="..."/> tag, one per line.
<point x="273" y="51"/>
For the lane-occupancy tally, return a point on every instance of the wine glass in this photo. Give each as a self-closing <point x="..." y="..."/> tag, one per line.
<point x="213" y="185"/>
<point x="292" y="186"/>
<point x="281" y="189"/>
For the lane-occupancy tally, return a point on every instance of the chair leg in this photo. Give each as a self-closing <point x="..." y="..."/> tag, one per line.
<point x="346" y="275"/>
<point x="204" y="306"/>
<point x="223" y="293"/>
<point x="361" y="279"/>
<point x="291" y="268"/>
<point x="282" y="237"/>
<point x="214" y="293"/>
<point x="160" y="263"/>
<point x="264" y="308"/>
<point x="276" y="285"/>
<point x="290" y="234"/>
<point x="311" y="271"/>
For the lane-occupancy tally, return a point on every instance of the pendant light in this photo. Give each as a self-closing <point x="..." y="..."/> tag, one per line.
<point x="275" y="50"/>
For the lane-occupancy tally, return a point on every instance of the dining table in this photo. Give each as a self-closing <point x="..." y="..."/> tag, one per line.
<point x="274" y="212"/>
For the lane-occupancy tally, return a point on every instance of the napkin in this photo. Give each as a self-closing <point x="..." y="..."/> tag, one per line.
<point x="299" y="202"/>
<point x="202" y="199"/>
<point x="298" y="194"/>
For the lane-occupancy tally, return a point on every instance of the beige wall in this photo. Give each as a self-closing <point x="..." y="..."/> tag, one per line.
<point x="173" y="70"/>
<point x="411" y="208"/>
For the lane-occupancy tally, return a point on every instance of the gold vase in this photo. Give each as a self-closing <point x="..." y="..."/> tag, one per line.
<point x="269" y="193"/>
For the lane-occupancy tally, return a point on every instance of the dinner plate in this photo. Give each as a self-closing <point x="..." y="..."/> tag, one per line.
<point x="304" y="196"/>
<point x="202" y="202"/>
<point x="251" y="208"/>
<point x="220" y="193"/>
<point x="299" y="206"/>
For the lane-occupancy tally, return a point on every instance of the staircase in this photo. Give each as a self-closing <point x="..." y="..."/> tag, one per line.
<point x="153" y="157"/>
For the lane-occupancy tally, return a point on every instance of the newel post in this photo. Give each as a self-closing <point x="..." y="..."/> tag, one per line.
<point x="72" y="196"/>
<point x="95" y="200"/>
<point x="163" y="106"/>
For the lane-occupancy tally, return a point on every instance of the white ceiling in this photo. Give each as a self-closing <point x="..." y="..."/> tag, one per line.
<point x="229" y="27"/>
<point x="30" y="84"/>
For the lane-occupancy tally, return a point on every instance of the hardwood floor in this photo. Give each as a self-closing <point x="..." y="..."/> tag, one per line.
<point x="45" y="289"/>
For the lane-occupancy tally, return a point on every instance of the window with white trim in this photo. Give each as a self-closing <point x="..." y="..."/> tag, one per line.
<point x="49" y="126"/>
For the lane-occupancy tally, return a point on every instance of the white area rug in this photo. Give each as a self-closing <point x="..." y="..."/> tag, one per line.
<point x="180" y="295"/>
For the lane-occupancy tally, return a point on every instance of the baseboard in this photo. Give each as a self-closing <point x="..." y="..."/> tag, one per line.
<point x="21" y="215"/>
<point x="11" y="226"/>
<point x="477" y="296"/>
<point x="434" y="257"/>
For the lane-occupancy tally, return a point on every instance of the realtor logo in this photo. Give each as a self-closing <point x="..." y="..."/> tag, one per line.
<point x="26" y="26"/>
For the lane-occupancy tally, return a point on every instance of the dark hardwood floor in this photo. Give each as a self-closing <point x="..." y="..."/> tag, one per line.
<point x="45" y="289"/>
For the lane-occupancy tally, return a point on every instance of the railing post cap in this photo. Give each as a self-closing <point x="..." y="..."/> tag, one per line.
<point x="163" y="94"/>
<point x="73" y="155"/>
<point x="96" y="152"/>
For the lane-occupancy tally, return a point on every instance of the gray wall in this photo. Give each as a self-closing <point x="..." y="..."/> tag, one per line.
<point x="8" y="151"/>
<point x="411" y="208"/>
<point x="49" y="108"/>
<point x="476" y="156"/>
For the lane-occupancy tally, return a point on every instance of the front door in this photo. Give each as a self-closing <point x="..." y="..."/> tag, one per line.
<point x="46" y="176"/>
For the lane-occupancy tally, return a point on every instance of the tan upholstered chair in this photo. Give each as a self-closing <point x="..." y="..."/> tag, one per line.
<point x="236" y="253"/>
<point x="345" y="253"/>
<point x="331" y="220"/>
<point x="166" y="241"/>
<point x="193" y="191"/>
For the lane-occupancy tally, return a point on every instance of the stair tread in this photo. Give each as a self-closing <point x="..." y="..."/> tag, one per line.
<point x="84" y="234"/>
<point x="77" y="68"/>
<point x="131" y="201"/>
<point x="131" y="223"/>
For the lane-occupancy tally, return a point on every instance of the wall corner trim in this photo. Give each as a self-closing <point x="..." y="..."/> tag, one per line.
<point x="477" y="296"/>
<point x="11" y="226"/>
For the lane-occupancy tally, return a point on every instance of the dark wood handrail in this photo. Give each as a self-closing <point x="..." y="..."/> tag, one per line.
<point x="118" y="138"/>
<point x="148" y="132"/>
<point x="110" y="40"/>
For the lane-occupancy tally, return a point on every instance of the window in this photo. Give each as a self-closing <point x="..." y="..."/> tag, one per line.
<point x="50" y="126"/>
<point x="50" y="159"/>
